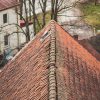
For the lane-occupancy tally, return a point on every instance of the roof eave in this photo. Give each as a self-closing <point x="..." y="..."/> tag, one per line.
<point x="10" y="7"/>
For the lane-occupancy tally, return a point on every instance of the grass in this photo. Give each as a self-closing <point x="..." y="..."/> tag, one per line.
<point x="92" y="14"/>
<point x="48" y="18"/>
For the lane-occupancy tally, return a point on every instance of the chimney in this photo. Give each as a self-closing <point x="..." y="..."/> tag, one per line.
<point x="75" y="37"/>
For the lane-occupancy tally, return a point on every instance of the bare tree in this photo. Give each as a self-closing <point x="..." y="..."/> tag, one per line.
<point x="43" y="5"/>
<point x="56" y="7"/>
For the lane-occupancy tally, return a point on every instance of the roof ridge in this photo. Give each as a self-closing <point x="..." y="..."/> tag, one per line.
<point x="52" y="66"/>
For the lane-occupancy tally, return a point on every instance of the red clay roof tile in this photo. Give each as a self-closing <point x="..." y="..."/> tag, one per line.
<point x="5" y="4"/>
<point x="27" y="76"/>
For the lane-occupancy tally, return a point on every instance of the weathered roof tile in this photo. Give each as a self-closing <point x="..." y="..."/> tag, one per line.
<point x="72" y="74"/>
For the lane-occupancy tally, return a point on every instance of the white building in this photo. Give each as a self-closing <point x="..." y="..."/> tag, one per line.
<point x="10" y="25"/>
<point x="9" y="17"/>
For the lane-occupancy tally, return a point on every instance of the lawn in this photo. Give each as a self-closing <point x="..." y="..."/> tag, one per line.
<point x="48" y="17"/>
<point x="92" y="14"/>
<point x="39" y="16"/>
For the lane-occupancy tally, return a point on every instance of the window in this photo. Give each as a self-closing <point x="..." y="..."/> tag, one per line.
<point x="4" y="18"/>
<point x="6" y="39"/>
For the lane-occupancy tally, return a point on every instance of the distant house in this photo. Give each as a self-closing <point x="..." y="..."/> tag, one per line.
<point x="9" y="19"/>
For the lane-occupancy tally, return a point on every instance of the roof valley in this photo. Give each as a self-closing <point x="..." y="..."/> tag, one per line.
<point x="52" y="67"/>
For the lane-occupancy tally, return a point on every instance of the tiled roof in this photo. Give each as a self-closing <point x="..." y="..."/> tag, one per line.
<point x="53" y="66"/>
<point x="86" y="44"/>
<point x="5" y="4"/>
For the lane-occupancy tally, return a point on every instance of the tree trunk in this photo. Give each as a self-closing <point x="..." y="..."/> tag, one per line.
<point x="44" y="13"/>
<point x="56" y="11"/>
<point x="95" y="1"/>
<point x="52" y="9"/>
<point x="27" y="22"/>
<point x="34" y="18"/>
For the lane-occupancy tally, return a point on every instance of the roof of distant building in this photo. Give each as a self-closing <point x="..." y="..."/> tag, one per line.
<point x="86" y="44"/>
<point x="53" y="66"/>
<point x="6" y="4"/>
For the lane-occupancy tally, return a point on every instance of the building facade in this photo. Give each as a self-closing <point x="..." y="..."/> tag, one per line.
<point x="11" y="36"/>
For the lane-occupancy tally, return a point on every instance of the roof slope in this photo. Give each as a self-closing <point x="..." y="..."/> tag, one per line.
<point x="5" y="4"/>
<point x="26" y="76"/>
<point x="78" y="72"/>
<point x="86" y="44"/>
<point x="52" y="66"/>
